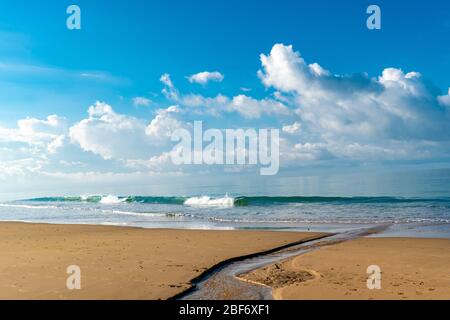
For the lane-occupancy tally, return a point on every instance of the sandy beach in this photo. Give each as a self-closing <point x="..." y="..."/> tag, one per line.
<point x="411" y="268"/>
<point x="135" y="263"/>
<point x="118" y="262"/>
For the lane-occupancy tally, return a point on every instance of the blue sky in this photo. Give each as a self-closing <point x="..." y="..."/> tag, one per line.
<point x="140" y="40"/>
<point x="124" y="47"/>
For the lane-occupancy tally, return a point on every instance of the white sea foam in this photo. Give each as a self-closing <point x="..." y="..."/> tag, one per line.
<point x="210" y="202"/>
<point x="145" y="214"/>
<point x="119" y="224"/>
<point x="24" y="206"/>
<point x="112" y="200"/>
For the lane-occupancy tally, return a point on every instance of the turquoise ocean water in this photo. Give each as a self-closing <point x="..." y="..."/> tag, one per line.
<point x="417" y="205"/>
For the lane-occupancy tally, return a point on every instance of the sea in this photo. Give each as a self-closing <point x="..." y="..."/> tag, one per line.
<point x="425" y="213"/>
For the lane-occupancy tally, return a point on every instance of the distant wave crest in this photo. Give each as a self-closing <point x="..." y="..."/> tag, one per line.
<point x="241" y="201"/>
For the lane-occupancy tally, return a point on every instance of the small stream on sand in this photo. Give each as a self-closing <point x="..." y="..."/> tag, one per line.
<point x="223" y="284"/>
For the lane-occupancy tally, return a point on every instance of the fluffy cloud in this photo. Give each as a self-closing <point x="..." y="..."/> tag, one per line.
<point x="165" y="79"/>
<point x="169" y="90"/>
<point x="323" y="117"/>
<point x="109" y="134"/>
<point x="244" y="105"/>
<point x="26" y="149"/>
<point x="293" y="128"/>
<point x="354" y="115"/>
<point x="56" y="144"/>
<point x="20" y="167"/>
<point x="46" y="134"/>
<point x="161" y="127"/>
<point x="254" y="109"/>
<point x="284" y="70"/>
<point x="117" y="136"/>
<point x="205" y="77"/>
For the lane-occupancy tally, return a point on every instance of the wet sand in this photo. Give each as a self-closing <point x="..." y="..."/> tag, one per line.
<point x="411" y="268"/>
<point x="118" y="262"/>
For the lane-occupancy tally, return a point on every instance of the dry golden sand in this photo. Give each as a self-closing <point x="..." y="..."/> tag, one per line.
<point x="411" y="269"/>
<point x="116" y="262"/>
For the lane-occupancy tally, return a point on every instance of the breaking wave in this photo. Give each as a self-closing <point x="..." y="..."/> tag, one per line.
<point x="112" y="200"/>
<point x="242" y="201"/>
<point x="210" y="202"/>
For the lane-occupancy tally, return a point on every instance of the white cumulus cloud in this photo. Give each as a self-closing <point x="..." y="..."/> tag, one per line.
<point x="165" y="122"/>
<point x="246" y="106"/>
<point x="116" y="136"/>
<point x="44" y="134"/>
<point x="205" y="77"/>
<point x="396" y="115"/>
<point x="109" y="134"/>
<point x="293" y="128"/>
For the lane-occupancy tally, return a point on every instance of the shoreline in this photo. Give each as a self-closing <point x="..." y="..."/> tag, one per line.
<point x="241" y="212"/>
<point x="393" y="230"/>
